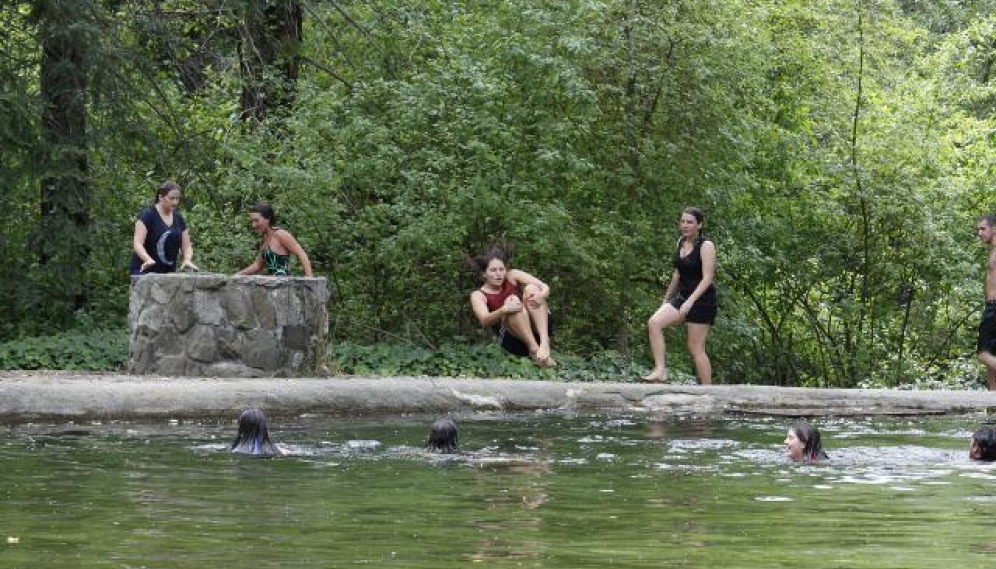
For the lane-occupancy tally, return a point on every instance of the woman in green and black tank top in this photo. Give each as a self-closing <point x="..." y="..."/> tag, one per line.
<point x="277" y="247"/>
<point x="690" y="299"/>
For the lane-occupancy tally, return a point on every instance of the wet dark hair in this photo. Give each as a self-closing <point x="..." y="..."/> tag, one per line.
<point x="443" y="436"/>
<point x="501" y="251"/>
<point x="266" y="210"/>
<point x="254" y="438"/>
<point x="985" y="440"/>
<point x="694" y="212"/>
<point x="810" y="437"/>
<point x="165" y="188"/>
<point x="989" y="218"/>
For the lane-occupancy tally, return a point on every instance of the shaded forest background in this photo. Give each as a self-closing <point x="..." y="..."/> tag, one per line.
<point x="841" y="150"/>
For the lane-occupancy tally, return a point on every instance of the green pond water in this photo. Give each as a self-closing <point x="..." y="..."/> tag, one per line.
<point x="534" y="491"/>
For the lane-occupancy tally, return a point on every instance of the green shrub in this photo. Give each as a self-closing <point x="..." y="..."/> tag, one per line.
<point x="89" y="350"/>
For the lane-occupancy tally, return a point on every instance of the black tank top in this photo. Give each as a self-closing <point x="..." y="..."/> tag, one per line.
<point x="690" y="272"/>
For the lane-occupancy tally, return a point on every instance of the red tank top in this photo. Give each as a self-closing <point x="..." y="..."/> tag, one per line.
<point x="497" y="299"/>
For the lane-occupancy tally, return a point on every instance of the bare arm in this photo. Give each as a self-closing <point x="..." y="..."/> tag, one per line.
<point x="523" y="279"/>
<point x="294" y="248"/>
<point x="672" y="287"/>
<point x="489" y="318"/>
<point x="991" y="276"/>
<point x="255" y="267"/>
<point x="138" y="244"/>
<point x="188" y="251"/>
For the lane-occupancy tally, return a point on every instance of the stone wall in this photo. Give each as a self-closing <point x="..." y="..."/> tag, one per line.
<point x="211" y="325"/>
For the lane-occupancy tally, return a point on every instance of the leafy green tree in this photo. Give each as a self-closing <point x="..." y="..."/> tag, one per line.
<point x="841" y="151"/>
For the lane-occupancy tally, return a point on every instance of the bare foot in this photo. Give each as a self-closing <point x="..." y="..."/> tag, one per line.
<point x="542" y="353"/>
<point x="546" y="362"/>
<point x="654" y="377"/>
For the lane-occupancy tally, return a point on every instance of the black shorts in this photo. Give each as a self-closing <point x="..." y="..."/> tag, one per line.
<point x="516" y="346"/>
<point x="702" y="312"/>
<point x="987" y="329"/>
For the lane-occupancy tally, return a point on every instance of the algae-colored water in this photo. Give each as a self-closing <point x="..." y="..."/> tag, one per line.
<point x="536" y="491"/>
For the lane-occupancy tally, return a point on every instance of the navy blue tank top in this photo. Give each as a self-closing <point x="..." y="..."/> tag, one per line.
<point x="690" y="272"/>
<point x="162" y="242"/>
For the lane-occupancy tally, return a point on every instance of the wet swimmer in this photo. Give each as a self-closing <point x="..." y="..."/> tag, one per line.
<point x="983" y="445"/>
<point x="803" y="444"/>
<point x="443" y="437"/>
<point x="254" y="438"/>
<point x="514" y="304"/>
<point x="277" y="247"/>
<point x="444" y="440"/>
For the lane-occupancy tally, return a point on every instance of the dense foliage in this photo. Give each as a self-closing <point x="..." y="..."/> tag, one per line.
<point x="103" y="350"/>
<point x="840" y="149"/>
<point x="107" y="351"/>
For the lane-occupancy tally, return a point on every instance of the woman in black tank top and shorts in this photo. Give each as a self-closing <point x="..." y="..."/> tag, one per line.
<point x="690" y="299"/>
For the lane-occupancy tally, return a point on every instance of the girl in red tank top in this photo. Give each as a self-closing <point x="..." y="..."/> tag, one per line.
<point x="497" y="299"/>
<point x="513" y="304"/>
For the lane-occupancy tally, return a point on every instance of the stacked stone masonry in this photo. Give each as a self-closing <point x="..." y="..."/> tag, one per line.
<point x="211" y="325"/>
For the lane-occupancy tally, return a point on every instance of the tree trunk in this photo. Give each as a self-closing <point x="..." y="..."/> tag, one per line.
<point x="270" y="53"/>
<point x="64" y="245"/>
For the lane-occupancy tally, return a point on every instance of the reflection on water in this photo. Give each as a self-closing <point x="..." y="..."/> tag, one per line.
<point x="531" y="491"/>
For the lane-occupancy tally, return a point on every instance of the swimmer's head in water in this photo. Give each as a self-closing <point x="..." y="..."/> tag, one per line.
<point x="253" y="438"/>
<point x="803" y="443"/>
<point x="443" y="436"/>
<point x="983" y="444"/>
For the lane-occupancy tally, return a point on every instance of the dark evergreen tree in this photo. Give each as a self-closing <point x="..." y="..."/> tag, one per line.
<point x="65" y="34"/>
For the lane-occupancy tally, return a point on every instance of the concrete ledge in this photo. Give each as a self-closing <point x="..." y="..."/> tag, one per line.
<point x="26" y="397"/>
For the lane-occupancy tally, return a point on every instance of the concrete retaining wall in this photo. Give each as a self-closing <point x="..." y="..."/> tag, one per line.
<point x="35" y="396"/>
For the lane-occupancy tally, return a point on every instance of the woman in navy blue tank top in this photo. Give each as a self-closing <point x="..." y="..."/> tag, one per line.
<point x="690" y="299"/>
<point x="161" y="235"/>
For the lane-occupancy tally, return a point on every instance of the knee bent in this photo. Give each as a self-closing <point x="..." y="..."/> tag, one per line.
<point x="530" y="288"/>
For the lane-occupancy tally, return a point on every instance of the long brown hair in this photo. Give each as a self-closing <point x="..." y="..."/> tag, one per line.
<point x="810" y="437"/>
<point x="501" y="250"/>
<point x="253" y="438"/>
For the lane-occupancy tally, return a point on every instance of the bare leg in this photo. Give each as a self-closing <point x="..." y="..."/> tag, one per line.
<point x="539" y="314"/>
<point x="697" y="334"/>
<point x="665" y="316"/>
<point x="519" y="325"/>
<point x="989" y="360"/>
